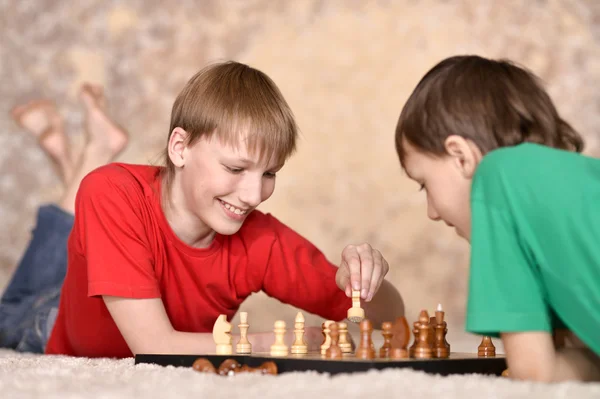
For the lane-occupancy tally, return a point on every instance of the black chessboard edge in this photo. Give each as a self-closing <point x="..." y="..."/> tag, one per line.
<point x="471" y="365"/>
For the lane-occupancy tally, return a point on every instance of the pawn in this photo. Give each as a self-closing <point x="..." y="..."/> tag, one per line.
<point x="400" y="338"/>
<point x="344" y="343"/>
<point x="384" y="351"/>
<point x="334" y="351"/>
<point x="423" y="348"/>
<point x="279" y="348"/>
<point x="486" y="348"/>
<point x="365" y="350"/>
<point x="415" y="332"/>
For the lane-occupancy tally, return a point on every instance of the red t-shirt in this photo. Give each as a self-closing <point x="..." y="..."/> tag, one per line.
<point x="121" y="245"/>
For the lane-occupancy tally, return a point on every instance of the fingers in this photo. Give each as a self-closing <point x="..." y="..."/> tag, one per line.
<point x="351" y="259"/>
<point x="380" y="269"/>
<point x="366" y="268"/>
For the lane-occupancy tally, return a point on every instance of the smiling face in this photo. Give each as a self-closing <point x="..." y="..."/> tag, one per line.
<point x="216" y="186"/>
<point x="446" y="181"/>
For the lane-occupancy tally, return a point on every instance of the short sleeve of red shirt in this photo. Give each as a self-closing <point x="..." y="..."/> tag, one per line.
<point x="298" y="274"/>
<point x="112" y="236"/>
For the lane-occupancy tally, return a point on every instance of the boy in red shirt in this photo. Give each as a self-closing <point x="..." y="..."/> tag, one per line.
<point x="156" y="254"/>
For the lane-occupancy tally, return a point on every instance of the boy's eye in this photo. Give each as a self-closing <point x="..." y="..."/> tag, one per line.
<point x="234" y="170"/>
<point x="270" y="174"/>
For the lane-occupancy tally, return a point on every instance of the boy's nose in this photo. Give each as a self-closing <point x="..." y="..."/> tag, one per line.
<point x="251" y="195"/>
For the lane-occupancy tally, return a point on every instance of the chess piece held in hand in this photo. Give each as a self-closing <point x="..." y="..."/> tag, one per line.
<point x="356" y="313"/>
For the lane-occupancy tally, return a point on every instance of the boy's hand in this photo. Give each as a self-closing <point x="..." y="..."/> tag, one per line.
<point x="363" y="268"/>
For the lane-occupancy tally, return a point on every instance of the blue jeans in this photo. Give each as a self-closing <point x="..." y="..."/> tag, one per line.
<point x="29" y="305"/>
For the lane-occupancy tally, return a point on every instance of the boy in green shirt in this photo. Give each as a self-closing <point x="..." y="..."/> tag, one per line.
<point x="498" y="164"/>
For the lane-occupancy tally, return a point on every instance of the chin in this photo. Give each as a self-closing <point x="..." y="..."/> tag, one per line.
<point x="227" y="229"/>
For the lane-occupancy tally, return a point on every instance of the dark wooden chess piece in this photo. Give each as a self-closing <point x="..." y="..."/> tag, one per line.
<point x="366" y="349"/>
<point x="486" y="348"/>
<point x="384" y="351"/>
<point x="441" y="347"/>
<point x="334" y="351"/>
<point x="423" y="348"/>
<point x="204" y="365"/>
<point x="229" y="367"/>
<point x="400" y="338"/>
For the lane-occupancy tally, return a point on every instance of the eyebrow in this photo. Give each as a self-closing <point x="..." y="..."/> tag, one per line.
<point x="251" y="162"/>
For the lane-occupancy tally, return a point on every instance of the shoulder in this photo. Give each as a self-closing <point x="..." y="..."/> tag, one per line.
<point x="519" y="168"/>
<point x="119" y="177"/>
<point x="265" y="227"/>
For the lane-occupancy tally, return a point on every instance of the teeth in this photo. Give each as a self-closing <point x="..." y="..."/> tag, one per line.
<point x="233" y="209"/>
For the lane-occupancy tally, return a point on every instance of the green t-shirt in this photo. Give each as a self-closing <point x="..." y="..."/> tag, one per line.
<point x="535" y="243"/>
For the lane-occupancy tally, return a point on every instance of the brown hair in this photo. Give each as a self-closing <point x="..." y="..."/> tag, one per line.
<point x="492" y="103"/>
<point x="232" y="100"/>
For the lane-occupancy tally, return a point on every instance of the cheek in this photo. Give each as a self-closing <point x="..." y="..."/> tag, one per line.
<point x="268" y="187"/>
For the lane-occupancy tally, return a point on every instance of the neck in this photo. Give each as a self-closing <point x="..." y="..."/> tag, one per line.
<point x="186" y="226"/>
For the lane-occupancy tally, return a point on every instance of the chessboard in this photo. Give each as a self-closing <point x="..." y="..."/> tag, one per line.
<point x="430" y="351"/>
<point x="455" y="363"/>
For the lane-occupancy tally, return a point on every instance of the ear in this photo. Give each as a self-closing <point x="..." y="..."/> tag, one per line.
<point x="177" y="146"/>
<point x="465" y="153"/>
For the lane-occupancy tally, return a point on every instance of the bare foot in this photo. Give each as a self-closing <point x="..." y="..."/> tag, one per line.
<point x="42" y="119"/>
<point x="104" y="137"/>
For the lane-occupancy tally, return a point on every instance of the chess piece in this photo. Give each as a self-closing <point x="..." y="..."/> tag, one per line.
<point x="400" y="338"/>
<point x="204" y="365"/>
<point x="366" y="350"/>
<point x="279" y="348"/>
<point x="384" y="351"/>
<point x="506" y="373"/>
<point x="441" y="347"/>
<point x="264" y="368"/>
<point x="299" y="346"/>
<point x="334" y="351"/>
<point x="229" y="367"/>
<point x="344" y="342"/>
<point x="411" y="350"/>
<point x="423" y="348"/>
<point x="356" y="313"/>
<point x="243" y="346"/>
<point x="222" y="336"/>
<point x="326" y="337"/>
<point x="486" y="348"/>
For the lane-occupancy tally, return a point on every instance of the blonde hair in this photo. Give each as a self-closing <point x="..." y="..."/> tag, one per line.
<point x="232" y="100"/>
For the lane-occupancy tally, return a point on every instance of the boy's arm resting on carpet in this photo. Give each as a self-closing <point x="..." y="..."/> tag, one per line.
<point x="532" y="356"/>
<point x="146" y="328"/>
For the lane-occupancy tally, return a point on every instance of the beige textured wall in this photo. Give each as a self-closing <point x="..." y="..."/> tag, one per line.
<point x="346" y="67"/>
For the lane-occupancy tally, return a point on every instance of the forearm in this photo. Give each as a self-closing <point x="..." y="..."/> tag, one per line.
<point x="576" y="364"/>
<point x="386" y="305"/>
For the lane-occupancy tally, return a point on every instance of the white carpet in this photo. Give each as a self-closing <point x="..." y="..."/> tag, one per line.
<point x="34" y="376"/>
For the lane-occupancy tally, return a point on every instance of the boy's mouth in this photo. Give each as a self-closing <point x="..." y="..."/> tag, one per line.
<point x="234" y="209"/>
